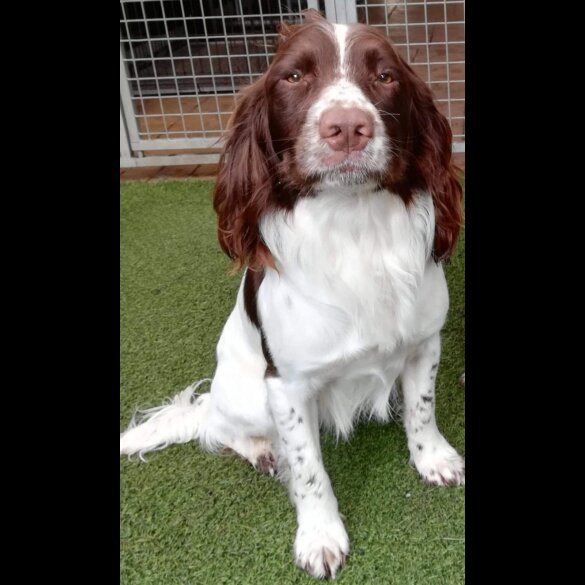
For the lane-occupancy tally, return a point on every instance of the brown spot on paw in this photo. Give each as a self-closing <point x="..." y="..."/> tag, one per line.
<point x="449" y="482"/>
<point x="330" y="560"/>
<point x="266" y="464"/>
<point x="431" y="482"/>
<point x="441" y="480"/>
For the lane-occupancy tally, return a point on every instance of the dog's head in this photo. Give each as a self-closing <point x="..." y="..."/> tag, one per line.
<point x="337" y="106"/>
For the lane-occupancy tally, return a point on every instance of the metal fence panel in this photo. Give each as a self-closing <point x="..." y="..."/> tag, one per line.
<point x="183" y="61"/>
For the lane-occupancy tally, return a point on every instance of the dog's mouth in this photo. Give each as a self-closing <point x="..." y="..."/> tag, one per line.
<point x="343" y="159"/>
<point x="348" y="169"/>
<point x="322" y="164"/>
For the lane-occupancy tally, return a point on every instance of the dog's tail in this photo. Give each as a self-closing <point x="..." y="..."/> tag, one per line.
<point x="178" y="421"/>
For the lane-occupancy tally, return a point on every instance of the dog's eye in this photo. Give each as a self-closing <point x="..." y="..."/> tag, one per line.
<point x="294" y="77"/>
<point x="385" y="78"/>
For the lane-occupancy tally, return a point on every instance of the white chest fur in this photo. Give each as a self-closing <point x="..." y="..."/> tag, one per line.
<point x="351" y="277"/>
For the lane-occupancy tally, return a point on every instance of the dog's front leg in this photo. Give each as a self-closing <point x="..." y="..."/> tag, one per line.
<point x="321" y="544"/>
<point x="432" y="455"/>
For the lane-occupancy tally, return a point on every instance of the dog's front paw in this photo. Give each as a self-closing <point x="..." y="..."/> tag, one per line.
<point x="321" y="547"/>
<point x="439" y="464"/>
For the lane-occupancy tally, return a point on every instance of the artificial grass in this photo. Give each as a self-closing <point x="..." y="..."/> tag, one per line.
<point x="191" y="518"/>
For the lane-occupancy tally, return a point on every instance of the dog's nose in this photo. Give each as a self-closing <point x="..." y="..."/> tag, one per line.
<point x="346" y="129"/>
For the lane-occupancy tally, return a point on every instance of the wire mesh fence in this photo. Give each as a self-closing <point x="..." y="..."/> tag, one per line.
<point x="183" y="61"/>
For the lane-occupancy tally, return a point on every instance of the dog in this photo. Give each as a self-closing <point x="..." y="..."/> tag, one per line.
<point x="337" y="194"/>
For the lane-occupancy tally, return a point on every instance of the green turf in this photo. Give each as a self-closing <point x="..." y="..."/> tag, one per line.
<point x="190" y="518"/>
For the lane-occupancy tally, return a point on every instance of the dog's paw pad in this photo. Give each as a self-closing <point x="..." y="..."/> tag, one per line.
<point x="448" y="477"/>
<point x="321" y="549"/>
<point x="440" y="464"/>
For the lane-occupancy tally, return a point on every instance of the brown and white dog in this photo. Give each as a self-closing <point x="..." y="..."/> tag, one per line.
<point x="338" y="195"/>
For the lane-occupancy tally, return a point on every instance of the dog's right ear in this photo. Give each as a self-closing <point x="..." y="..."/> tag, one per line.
<point x="245" y="181"/>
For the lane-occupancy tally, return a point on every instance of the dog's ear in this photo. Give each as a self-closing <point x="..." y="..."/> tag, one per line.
<point x="286" y="30"/>
<point x="430" y="139"/>
<point x="245" y="181"/>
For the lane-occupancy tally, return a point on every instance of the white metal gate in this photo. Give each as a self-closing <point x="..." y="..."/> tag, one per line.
<point x="183" y="61"/>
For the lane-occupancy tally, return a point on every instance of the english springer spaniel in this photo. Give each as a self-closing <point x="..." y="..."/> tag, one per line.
<point x="337" y="194"/>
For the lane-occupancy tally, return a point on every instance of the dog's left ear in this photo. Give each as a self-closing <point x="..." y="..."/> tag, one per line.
<point x="430" y="141"/>
<point x="287" y="30"/>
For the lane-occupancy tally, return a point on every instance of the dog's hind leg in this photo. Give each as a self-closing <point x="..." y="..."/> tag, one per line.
<point x="233" y="415"/>
<point x="205" y="418"/>
<point x="215" y="419"/>
<point x="239" y="416"/>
